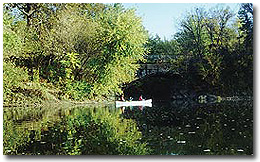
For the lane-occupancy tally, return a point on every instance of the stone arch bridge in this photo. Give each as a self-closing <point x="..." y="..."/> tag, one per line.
<point x="157" y="79"/>
<point x="156" y="64"/>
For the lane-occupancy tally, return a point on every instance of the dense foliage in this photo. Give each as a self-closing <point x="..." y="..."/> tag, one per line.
<point x="84" y="50"/>
<point x="213" y="46"/>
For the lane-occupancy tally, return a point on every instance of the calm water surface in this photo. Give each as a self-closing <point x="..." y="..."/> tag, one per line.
<point x="167" y="128"/>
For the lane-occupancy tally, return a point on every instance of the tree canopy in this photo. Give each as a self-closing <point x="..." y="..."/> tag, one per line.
<point x="214" y="46"/>
<point x="87" y="49"/>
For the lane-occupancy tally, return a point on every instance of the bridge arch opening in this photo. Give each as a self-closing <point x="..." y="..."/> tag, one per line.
<point x="159" y="86"/>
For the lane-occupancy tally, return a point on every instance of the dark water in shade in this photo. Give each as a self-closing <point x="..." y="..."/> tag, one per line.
<point x="167" y="128"/>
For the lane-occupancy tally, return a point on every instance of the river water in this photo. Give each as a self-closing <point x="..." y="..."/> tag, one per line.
<point x="166" y="128"/>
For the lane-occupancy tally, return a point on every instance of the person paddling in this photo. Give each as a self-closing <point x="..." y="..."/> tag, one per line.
<point x="141" y="98"/>
<point x="122" y="97"/>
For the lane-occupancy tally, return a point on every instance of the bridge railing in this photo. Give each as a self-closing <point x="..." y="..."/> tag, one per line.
<point x="148" y="69"/>
<point x="164" y="58"/>
<point x="157" y="64"/>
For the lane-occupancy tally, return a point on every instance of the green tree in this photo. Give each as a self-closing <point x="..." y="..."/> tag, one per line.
<point x="192" y="34"/>
<point x="204" y="38"/>
<point x="239" y="66"/>
<point x="32" y="14"/>
<point x="245" y="16"/>
<point x="122" y="38"/>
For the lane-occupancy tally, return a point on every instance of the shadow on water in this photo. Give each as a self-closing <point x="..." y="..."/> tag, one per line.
<point x="181" y="128"/>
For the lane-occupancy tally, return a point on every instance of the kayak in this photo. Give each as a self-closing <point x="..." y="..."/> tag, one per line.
<point x="134" y="103"/>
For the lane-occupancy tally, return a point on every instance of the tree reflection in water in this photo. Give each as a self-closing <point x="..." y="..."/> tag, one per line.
<point x="167" y="128"/>
<point x="76" y="131"/>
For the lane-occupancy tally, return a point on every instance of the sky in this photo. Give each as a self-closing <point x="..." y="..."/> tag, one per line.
<point x="162" y="18"/>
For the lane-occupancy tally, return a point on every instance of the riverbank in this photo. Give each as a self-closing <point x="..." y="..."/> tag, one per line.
<point x="62" y="102"/>
<point x="42" y="94"/>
